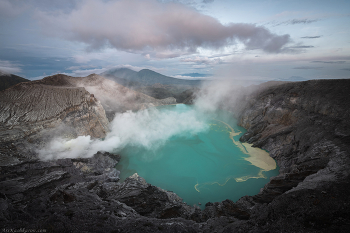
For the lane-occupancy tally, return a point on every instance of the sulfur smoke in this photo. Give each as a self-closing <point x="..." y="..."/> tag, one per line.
<point x="149" y="128"/>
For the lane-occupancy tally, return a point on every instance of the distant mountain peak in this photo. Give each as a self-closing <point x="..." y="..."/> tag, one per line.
<point x="144" y="77"/>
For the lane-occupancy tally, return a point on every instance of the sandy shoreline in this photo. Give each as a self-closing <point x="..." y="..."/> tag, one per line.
<point x="257" y="157"/>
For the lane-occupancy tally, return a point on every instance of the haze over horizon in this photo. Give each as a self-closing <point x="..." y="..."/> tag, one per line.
<point x="246" y="40"/>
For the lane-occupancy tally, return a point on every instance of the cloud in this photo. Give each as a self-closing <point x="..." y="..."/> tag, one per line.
<point x="301" y="47"/>
<point x="203" y="60"/>
<point x="85" y="57"/>
<point x="297" y="48"/>
<point x="199" y="66"/>
<point x="166" y="53"/>
<point x="81" y="67"/>
<point x="308" y="67"/>
<point x="221" y="55"/>
<point x="310" y="37"/>
<point x="301" y="21"/>
<point x="293" y="22"/>
<point x="9" y="9"/>
<point x="191" y="77"/>
<point x="208" y="1"/>
<point x="135" y="68"/>
<point x="151" y="26"/>
<point x="347" y="69"/>
<point x="9" y="68"/>
<point x="330" y="62"/>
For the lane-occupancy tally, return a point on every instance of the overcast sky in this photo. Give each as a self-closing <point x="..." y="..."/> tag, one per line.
<point x="236" y="39"/>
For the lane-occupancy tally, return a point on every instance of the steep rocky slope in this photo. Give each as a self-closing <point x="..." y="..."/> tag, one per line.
<point x="305" y="127"/>
<point x="29" y="108"/>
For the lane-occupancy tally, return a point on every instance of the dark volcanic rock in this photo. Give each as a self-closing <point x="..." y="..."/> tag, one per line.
<point x="151" y="201"/>
<point x="71" y="195"/>
<point x="299" y="124"/>
<point x="9" y="80"/>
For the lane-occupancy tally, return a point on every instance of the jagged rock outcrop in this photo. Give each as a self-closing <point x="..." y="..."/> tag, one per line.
<point x="151" y="201"/>
<point x="305" y="128"/>
<point x="71" y="195"/>
<point x="29" y="108"/>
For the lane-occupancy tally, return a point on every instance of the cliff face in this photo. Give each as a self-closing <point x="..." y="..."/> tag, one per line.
<point x="29" y="108"/>
<point x="305" y="127"/>
<point x="295" y="118"/>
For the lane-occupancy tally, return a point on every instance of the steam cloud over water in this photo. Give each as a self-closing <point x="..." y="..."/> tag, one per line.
<point x="148" y="128"/>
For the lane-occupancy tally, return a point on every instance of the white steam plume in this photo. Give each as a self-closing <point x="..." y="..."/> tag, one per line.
<point x="148" y="128"/>
<point x="216" y="95"/>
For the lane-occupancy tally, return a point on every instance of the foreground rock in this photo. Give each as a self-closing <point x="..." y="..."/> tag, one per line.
<point x="74" y="195"/>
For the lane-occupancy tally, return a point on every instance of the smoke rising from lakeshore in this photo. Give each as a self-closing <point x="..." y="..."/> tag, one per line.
<point x="149" y="128"/>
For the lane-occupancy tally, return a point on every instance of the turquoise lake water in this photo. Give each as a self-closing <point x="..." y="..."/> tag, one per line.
<point x="209" y="166"/>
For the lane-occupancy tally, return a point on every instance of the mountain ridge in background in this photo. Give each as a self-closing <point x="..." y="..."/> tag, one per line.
<point x="153" y="84"/>
<point x="145" y="77"/>
<point x="9" y="80"/>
